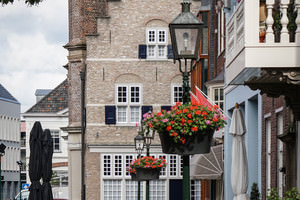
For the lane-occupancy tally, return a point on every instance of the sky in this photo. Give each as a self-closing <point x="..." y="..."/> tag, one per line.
<point x="31" y="48"/>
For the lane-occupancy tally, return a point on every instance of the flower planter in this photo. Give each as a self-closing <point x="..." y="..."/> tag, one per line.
<point x="143" y="174"/>
<point x="196" y="144"/>
<point x="133" y="177"/>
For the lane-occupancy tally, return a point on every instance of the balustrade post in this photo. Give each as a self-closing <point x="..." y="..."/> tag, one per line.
<point x="269" y="22"/>
<point x="284" y="36"/>
<point x="297" y="37"/>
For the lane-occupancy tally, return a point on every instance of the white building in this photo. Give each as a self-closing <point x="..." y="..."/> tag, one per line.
<point x="52" y="112"/>
<point x="10" y="137"/>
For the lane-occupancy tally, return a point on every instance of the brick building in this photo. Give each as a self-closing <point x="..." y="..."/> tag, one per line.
<point x="120" y="60"/>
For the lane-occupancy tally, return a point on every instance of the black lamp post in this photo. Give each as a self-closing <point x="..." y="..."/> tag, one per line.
<point x="20" y="163"/>
<point x="139" y="142"/>
<point x="149" y="136"/>
<point x="2" y="152"/>
<point x="186" y="32"/>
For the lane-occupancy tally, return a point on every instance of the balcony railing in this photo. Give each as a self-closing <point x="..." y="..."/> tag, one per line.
<point x="251" y="41"/>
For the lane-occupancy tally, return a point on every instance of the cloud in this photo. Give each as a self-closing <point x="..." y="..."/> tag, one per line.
<point x="31" y="51"/>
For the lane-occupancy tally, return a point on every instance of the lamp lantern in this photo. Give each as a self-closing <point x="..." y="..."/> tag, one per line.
<point x="186" y="32"/>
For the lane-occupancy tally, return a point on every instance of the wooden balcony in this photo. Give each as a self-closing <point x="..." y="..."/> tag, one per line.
<point x="248" y="55"/>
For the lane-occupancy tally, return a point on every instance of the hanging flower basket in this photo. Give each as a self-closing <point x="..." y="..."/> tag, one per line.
<point x="143" y="174"/>
<point x="186" y="129"/>
<point x="146" y="168"/>
<point x="198" y="143"/>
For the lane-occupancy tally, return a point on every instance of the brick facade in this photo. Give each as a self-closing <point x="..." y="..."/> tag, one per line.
<point x="104" y="41"/>
<point x="271" y="108"/>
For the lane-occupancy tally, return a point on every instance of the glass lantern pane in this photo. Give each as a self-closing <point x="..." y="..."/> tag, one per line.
<point x="186" y="41"/>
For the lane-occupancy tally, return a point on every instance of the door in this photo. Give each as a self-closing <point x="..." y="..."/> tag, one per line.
<point x="175" y="190"/>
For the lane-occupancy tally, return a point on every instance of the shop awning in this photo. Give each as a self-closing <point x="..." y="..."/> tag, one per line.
<point x="208" y="166"/>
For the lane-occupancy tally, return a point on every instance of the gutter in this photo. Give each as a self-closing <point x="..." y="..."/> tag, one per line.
<point x="83" y="125"/>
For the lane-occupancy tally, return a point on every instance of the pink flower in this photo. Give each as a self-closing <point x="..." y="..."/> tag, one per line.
<point x="165" y="120"/>
<point x="208" y="122"/>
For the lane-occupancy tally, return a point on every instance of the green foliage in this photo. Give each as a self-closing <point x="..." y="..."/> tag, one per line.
<point x="273" y="194"/>
<point x="28" y="2"/>
<point x="254" y="195"/>
<point x="54" y="179"/>
<point x="291" y="194"/>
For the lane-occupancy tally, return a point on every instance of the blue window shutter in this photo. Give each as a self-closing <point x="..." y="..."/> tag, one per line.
<point x="110" y="114"/>
<point x="167" y="108"/>
<point x="142" y="51"/>
<point x="146" y="109"/>
<point x="170" y="52"/>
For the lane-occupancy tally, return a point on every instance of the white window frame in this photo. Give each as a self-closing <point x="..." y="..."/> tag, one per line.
<point x="221" y="27"/>
<point x="52" y="131"/>
<point x="173" y="92"/>
<point x="156" y="43"/>
<point x="128" y="104"/>
<point x="268" y="154"/>
<point x="280" y="175"/>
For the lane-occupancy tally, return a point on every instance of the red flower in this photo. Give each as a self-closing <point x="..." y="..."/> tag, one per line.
<point x="158" y="114"/>
<point x="174" y="134"/>
<point x="189" y="115"/>
<point x="150" y="125"/>
<point x="198" y="112"/>
<point x="169" y="128"/>
<point x="185" y="110"/>
<point x="204" y="113"/>
<point x="182" y="120"/>
<point x="172" y="122"/>
<point x="195" y="128"/>
<point x="216" y="106"/>
<point x="215" y="119"/>
<point x="189" y="121"/>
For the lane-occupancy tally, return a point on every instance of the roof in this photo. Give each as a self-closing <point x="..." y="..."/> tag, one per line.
<point x="218" y="79"/>
<point x="6" y="96"/>
<point x="54" y="101"/>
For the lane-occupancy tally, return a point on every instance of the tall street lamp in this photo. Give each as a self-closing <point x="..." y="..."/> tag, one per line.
<point x="186" y="31"/>
<point x="2" y="152"/>
<point x="20" y="163"/>
<point x="139" y="142"/>
<point x="149" y="136"/>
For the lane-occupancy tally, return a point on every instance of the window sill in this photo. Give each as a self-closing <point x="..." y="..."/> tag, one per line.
<point x="127" y="124"/>
<point x="157" y="59"/>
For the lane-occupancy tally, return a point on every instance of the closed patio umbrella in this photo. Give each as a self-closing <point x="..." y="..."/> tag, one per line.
<point x="239" y="166"/>
<point x="47" y="147"/>
<point x="35" y="161"/>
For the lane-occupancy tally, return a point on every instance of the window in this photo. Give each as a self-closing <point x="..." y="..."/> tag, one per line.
<point x="280" y="174"/>
<point x="132" y="190"/>
<point x="173" y="165"/>
<point x="107" y="165"/>
<point x="157" y="43"/>
<point x="112" y="189"/>
<point x="268" y="155"/>
<point x="128" y="100"/>
<point x="195" y="189"/>
<point x="218" y="97"/>
<point x="60" y="179"/>
<point x="221" y="27"/>
<point x="56" y="140"/>
<point x="177" y="93"/>
<point x="157" y="190"/>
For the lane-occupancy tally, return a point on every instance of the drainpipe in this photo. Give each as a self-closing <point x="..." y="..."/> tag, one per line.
<point x="83" y="125"/>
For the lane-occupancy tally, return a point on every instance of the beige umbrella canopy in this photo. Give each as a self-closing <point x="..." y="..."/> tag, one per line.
<point x="207" y="166"/>
<point x="239" y="165"/>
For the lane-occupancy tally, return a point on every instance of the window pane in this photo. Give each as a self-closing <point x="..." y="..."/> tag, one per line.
<point x="151" y="51"/>
<point x="195" y="189"/>
<point x="205" y="41"/>
<point x="161" y="36"/>
<point x="178" y="93"/>
<point x="132" y="190"/>
<point x="151" y="36"/>
<point x="118" y="165"/>
<point x="134" y="94"/>
<point x="216" y="94"/>
<point x="122" y="94"/>
<point x="221" y="94"/>
<point x="134" y="114"/>
<point x="106" y="165"/>
<point x="173" y="165"/>
<point x="157" y="190"/>
<point x="112" y="189"/>
<point x="55" y="139"/>
<point x="128" y="159"/>
<point x="162" y="51"/>
<point x="122" y="113"/>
